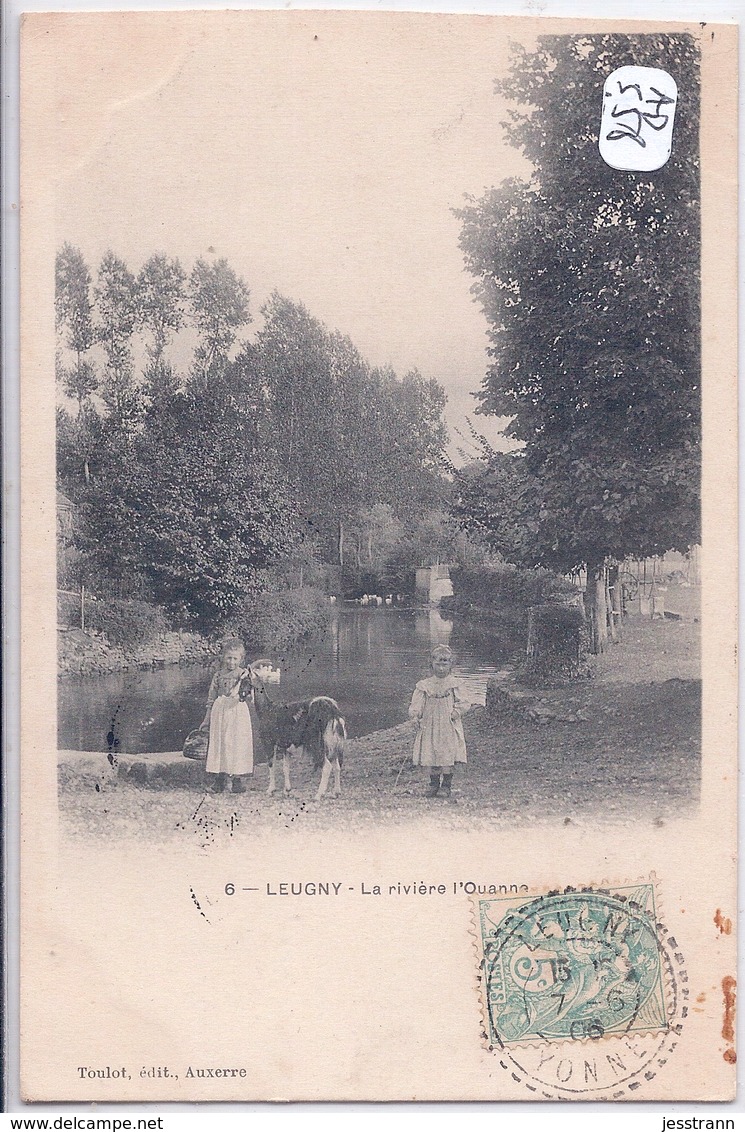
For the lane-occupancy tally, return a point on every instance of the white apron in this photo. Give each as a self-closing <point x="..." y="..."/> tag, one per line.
<point x="231" y="748"/>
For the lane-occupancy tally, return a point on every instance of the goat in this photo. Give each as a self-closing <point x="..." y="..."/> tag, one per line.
<point x="314" y="725"/>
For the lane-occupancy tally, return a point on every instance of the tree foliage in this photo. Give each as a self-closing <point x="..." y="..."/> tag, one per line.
<point x="497" y="500"/>
<point x="162" y="299"/>
<point x="589" y="280"/>
<point x="348" y="435"/>
<point x="220" y="301"/>
<point x="117" y="303"/>
<point x="245" y="470"/>
<point x="74" y="318"/>
<point x="72" y="301"/>
<point x="411" y="435"/>
<point x="203" y="510"/>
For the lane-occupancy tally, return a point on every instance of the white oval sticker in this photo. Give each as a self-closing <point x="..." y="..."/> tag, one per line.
<point x="636" y="129"/>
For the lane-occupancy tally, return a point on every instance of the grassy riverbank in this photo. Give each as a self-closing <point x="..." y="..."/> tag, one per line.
<point x="633" y="754"/>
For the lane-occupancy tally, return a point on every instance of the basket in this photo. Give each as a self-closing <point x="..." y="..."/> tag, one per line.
<point x="195" y="745"/>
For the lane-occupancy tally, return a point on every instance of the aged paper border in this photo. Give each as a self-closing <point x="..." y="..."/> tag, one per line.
<point x="711" y="878"/>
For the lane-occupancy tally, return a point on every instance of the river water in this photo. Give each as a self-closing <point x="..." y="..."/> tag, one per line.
<point x="369" y="661"/>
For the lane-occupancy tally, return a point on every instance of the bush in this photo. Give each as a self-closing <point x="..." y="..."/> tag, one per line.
<point x="495" y="585"/>
<point x="503" y="627"/>
<point x="280" y="619"/>
<point x="128" y="624"/>
<point x="74" y="568"/>
<point x="556" y="642"/>
<point x="304" y="571"/>
<point x="68" y="610"/>
<point x="70" y="568"/>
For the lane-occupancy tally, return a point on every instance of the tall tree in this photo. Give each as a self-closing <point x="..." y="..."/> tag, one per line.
<point x="589" y="280"/>
<point x="198" y="508"/>
<point x="118" y="313"/>
<point x="82" y="443"/>
<point x="74" y="315"/>
<point x="411" y="441"/>
<point x="220" y="301"/>
<point x="162" y="297"/>
<point x="315" y="387"/>
<point x="378" y="534"/>
<point x="496" y="500"/>
<point x="349" y="436"/>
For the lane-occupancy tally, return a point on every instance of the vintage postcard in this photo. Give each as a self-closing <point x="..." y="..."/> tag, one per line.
<point x="378" y="557"/>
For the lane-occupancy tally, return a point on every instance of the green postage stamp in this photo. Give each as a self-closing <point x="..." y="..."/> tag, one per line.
<point x="583" y="990"/>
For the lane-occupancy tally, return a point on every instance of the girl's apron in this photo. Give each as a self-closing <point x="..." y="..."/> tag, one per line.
<point x="230" y="748"/>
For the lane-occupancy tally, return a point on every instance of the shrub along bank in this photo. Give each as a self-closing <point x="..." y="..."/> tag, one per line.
<point x="498" y="587"/>
<point x="122" y="633"/>
<point x="279" y="619"/>
<point x="536" y="610"/>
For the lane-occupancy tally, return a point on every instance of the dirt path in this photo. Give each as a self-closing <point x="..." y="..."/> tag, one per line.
<point x="636" y="756"/>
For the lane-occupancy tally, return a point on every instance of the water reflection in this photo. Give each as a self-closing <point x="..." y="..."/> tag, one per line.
<point x="369" y="661"/>
<point x="440" y="630"/>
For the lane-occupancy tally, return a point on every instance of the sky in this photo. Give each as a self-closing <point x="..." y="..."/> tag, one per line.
<point x="322" y="153"/>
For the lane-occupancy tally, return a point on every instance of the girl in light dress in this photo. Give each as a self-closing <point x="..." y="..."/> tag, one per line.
<point x="230" y="753"/>
<point x="440" y="742"/>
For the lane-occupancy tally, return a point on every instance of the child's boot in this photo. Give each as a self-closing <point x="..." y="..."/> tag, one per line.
<point x="217" y="783"/>
<point x="239" y="784"/>
<point x="447" y="782"/>
<point x="434" y="786"/>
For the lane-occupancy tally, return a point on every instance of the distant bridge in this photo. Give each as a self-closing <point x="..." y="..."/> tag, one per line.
<point x="434" y="581"/>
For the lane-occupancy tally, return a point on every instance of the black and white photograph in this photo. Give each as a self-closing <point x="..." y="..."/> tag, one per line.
<point x="379" y="378"/>
<point x="387" y="431"/>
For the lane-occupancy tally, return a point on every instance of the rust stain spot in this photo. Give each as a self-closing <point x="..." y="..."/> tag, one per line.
<point x="723" y="922"/>
<point x="730" y="997"/>
<point x="730" y="1056"/>
<point x="701" y="997"/>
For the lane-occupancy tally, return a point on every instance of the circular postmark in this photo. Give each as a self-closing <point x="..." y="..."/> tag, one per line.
<point x="583" y="990"/>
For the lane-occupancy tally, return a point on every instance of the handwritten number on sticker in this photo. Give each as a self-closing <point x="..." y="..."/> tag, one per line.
<point x="637" y="119"/>
<point x="656" y="120"/>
